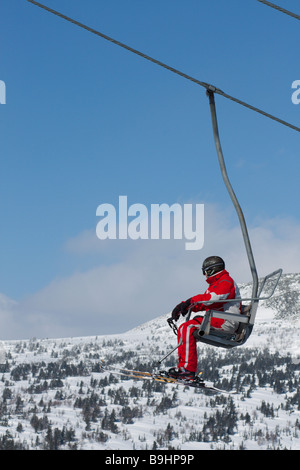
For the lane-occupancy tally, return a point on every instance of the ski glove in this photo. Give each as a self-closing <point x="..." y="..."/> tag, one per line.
<point x="181" y="309"/>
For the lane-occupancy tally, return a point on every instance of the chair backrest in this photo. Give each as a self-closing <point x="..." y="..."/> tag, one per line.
<point x="222" y="339"/>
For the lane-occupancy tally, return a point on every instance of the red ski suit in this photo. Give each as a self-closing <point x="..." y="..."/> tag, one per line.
<point x="221" y="286"/>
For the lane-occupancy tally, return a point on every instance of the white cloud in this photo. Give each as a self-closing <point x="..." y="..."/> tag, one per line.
<point x="136" y="281"/>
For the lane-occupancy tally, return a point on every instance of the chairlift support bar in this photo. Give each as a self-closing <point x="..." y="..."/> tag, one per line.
<point x="210" y="94"/>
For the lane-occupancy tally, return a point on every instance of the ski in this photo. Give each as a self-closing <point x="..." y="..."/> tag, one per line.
<point x="163" y="377"/>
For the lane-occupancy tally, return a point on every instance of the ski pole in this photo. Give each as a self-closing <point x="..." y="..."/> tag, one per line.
<point x="171" y="352"/>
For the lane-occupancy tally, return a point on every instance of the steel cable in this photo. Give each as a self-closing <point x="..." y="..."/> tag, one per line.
<point x="277" y="7"/>
<point x="208" y="86"/>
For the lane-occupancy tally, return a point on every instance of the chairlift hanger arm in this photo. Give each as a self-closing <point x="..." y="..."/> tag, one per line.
<point x="231" y="192"/>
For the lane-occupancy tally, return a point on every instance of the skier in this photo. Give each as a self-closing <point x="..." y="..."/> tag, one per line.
<point x="221" y="287"/>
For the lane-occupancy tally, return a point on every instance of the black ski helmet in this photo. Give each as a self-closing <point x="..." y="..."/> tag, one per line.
<point x="212" y="265"/>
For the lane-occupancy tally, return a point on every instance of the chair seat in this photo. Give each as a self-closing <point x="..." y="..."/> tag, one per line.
<point x="220" y="338"/>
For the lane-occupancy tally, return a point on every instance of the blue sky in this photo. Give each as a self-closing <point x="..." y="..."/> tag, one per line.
<point x="85" y="122"/>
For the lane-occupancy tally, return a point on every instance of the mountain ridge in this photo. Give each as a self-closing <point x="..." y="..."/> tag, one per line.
<point x="53" y="394"/>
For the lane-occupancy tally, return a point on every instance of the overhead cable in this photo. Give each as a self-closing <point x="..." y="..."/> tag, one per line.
<point x="208" y="86"/>
<point x="277" y="7"/>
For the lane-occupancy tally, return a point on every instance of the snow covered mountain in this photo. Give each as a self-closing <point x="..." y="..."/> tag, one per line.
<point x="53" y="394"/>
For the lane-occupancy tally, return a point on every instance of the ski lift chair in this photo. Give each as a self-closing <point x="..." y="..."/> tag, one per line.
<point x="206" y="333"/>
<point x="219" y="338"/>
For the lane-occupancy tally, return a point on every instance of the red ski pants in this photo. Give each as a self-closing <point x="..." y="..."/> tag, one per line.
<point x="187" y="351"/>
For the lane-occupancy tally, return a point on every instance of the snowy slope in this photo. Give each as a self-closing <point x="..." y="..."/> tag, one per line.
<point x="53" y="395"/>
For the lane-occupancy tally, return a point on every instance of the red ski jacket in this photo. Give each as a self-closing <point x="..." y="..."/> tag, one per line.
<point x="221" y="287"/>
